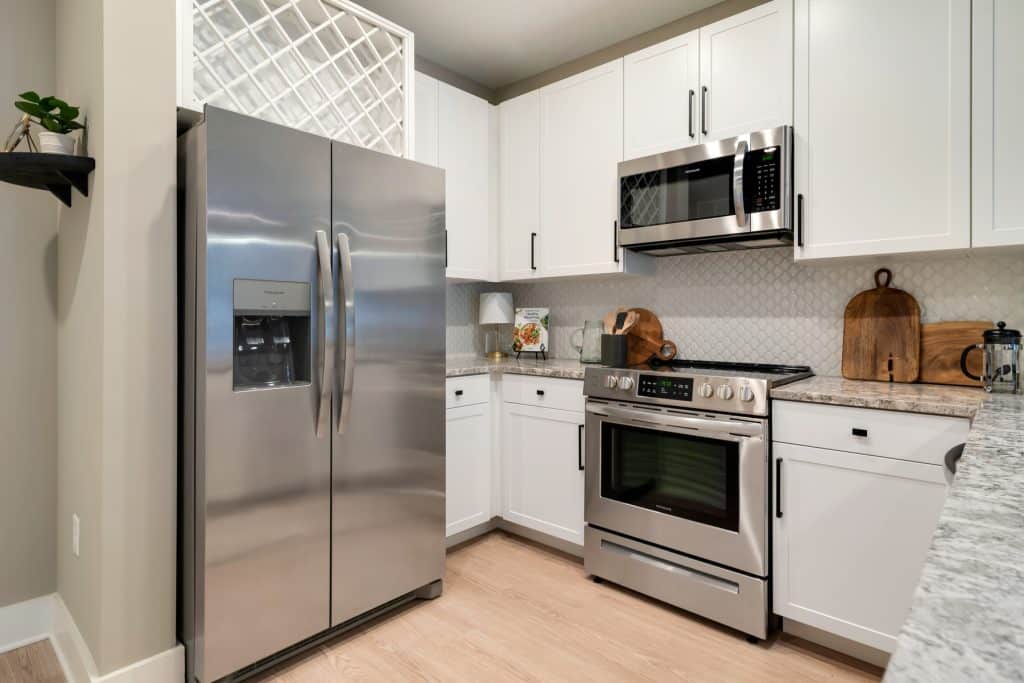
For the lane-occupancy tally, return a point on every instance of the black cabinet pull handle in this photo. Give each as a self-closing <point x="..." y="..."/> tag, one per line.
<point x="533" y="242"/>
<point x="615" y="240"/>
<point x="579" y="449"/>
<point x="800" y="220"/>
<point x="446" y="248"/>
<point x="704" y="109"/>
<point x="458" y="392"/>
<point x="778" y="488"/>
<point x="857" y="431"/>
<point x="689" y="126"/>
<point x="540" y="392"/>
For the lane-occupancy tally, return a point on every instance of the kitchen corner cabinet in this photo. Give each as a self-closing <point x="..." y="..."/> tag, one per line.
<point x="542" y="453"/>
<point x="520" y="186"/>
<point x="998" y="108"/>
<point x="456" y="131"/>
<point x="467" y="453"/>
<point x="882" y="121"/>
<point x="852" y="529"/>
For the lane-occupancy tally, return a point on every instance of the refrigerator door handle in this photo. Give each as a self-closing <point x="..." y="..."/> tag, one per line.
<point x="346" y="329"/>
<point x="324" y="356"/>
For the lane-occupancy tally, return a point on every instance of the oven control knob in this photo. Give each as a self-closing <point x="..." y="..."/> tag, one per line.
<point x="611" y="381"/>
<point x="746" y="394"/>
<point x="706" y="390"/>
<point x="625" y="383"/>
<point x="725" y="392"/>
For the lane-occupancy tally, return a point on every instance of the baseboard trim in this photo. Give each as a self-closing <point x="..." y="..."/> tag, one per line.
<point x="47" y="617"/>
<point x="850" y="648"/>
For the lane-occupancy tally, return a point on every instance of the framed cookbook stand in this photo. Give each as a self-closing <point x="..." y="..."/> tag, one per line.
<point x="537" y="355"/>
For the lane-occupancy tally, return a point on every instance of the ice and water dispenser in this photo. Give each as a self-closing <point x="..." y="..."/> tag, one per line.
<point x="271" y="328"/>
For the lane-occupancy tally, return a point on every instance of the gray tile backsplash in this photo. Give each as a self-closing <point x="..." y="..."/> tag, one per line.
<point x="759" y="305"/>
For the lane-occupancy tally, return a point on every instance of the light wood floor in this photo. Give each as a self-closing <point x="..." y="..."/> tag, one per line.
<point x="35" y="663"/>
<point x="513" y="611"/>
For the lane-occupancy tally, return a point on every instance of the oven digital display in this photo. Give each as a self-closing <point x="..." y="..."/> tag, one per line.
<point x="676" y="388"/>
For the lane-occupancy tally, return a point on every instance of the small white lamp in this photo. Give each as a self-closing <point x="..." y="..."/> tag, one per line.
<point x="496" y="309"/>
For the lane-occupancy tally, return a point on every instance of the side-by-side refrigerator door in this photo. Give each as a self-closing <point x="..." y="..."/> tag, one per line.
<point x="265" y="435"/>
<point x="388" y="472"/>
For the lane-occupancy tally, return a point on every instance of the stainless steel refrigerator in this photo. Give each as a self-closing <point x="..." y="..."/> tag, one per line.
<point x="312" y="380"/>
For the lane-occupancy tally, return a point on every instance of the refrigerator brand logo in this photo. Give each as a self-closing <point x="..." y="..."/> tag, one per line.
<point x="666" y="508"/>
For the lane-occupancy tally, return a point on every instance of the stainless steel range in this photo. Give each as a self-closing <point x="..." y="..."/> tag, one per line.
<point x="677" y="484"/>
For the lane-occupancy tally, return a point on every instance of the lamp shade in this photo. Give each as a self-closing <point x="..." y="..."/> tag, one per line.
<point x="496" y="309"/>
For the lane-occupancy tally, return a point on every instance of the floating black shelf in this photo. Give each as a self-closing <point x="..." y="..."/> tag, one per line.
<point x="57" y="173"/>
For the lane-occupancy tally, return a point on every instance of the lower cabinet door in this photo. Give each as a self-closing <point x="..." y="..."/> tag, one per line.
<point x="542" y="452"/>
<point x="851" y="535"/>
<point x="467" y="467"/>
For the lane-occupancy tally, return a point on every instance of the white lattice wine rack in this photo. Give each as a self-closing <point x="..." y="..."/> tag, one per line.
<point x="325" y="66"/>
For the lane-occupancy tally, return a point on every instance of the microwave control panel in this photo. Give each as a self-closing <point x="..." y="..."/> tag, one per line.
<point x="655" y="386"/>
<point x="761" y="179"/>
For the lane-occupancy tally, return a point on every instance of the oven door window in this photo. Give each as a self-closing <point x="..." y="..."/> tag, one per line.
<point x="681" y="193"/>
<point x="676" y="474"/>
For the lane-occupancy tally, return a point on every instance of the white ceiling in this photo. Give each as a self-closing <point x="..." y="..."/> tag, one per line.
<point x="496" y="43"/>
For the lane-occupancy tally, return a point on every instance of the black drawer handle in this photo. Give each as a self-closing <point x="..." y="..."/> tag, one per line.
<point x="540" y="392"/>
<point x="458" y="392"/>
<point x="778" y="488"/>
<point x="857" y="431"/>
<point x="579" y="449"/>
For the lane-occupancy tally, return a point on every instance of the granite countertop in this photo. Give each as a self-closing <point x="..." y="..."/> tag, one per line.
<point x="460" y="366"/>
<point x="967" y="619"/>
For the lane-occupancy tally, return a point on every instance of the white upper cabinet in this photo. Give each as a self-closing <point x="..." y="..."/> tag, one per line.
<point x="998" y="98"/>
<point x="426" y="119"/>
<point x="660" y="96"/>
<point x="581" y="147"/>
<point x="520" y="185"/>
<point x="882" y="126"/>
<point x="746" y="71"/>
<point x="464" y="151"/>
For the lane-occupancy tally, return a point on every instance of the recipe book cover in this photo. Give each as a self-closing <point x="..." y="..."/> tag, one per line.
<point x="531" y="330"/>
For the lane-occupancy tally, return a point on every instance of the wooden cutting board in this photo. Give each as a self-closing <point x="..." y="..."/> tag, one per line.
<point x="882" y="334"/>
<point x="647" y="338"/>
<point x="941" y="346"/>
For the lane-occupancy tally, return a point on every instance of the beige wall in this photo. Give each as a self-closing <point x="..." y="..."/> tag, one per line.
<point x="28" y="332"/>
<point x="117" y="334"/>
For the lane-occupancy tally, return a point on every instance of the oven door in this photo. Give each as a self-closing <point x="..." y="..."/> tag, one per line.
<point x="727" y="188"/>
<point x="690" y="483"/>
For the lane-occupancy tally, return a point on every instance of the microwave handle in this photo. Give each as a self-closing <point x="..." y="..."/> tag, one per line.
<point x="737" y="182"/>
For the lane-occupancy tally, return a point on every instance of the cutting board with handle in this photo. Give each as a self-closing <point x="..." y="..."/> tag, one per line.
<point x="882" y="334"/>
<point x="941" y="346"/>
<point x="647" y="338"/>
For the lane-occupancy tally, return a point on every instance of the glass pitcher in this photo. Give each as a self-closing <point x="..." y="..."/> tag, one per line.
<point x="588" y="343"/>
<point x="1002" y="350"/>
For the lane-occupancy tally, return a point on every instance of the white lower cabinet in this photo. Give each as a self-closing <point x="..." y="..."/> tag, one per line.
<point x="542" y="453"/>
<point x="467" y="465"/>
<point x="851" y="531"/>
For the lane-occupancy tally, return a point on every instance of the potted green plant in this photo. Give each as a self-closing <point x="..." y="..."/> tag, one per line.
<point x="56" y="116"/>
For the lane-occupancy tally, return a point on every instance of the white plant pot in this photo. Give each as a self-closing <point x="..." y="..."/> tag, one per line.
<point x="56" y="143"/>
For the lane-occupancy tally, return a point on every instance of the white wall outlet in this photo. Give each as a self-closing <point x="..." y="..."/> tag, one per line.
<point x="75" y="528"/>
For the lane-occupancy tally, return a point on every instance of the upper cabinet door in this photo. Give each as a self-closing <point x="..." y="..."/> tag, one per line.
<point x="520" y="185"/>
<point x="660" y="96"/>
<point x="746" y="71"/>
<point x="998" y="176"/>
<point x="882" y="121"/>
<point x="463" y="151"/>
<point x="426" y="119"/>
<point x="581" y="146"/>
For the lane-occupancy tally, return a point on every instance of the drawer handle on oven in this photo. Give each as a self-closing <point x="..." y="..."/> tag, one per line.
<point x="579" y="449"/>
<point x="857" y="431"/>
<point x="665" y="565"/>
<point x="458" y="392"/>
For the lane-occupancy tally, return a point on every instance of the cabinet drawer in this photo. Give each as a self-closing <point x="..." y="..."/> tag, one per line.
<point x="564" y="394"/>
<point x="467" y="391"/>
<point x="886" y="433"/>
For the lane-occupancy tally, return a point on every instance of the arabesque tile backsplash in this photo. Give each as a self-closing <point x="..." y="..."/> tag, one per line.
<point x="758" y="305"/>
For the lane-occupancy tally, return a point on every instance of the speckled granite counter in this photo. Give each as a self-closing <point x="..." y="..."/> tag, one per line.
<point x="459" y="366"/>
<point x="967" y="619"/>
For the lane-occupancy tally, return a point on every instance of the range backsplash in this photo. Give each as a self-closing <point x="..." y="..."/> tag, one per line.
<point x="758" y="305"/>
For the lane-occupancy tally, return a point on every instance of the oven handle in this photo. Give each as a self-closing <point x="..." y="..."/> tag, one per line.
<point x="737" y="182"/>
<point x="709" y="426"/>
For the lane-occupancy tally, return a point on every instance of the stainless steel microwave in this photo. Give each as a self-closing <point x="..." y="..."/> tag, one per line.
<point x="734" y="193"/>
